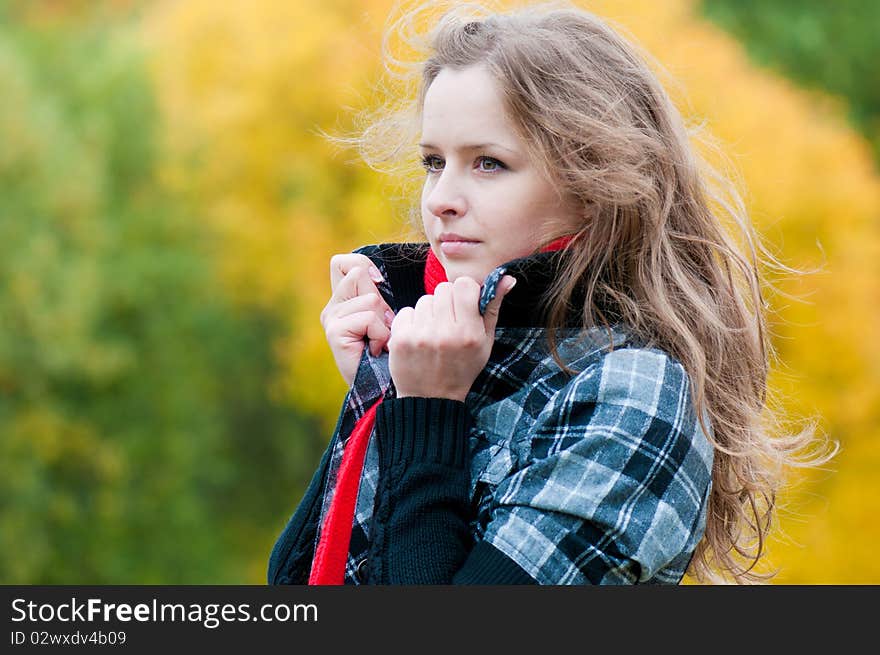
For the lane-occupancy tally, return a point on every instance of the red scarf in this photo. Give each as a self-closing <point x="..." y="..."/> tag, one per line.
<point x="328" y="565"/>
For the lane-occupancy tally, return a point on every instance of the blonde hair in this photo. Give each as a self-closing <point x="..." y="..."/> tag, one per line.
<point x="653" y="246"/>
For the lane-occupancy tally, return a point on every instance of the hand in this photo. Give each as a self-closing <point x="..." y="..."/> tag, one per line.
<point x="356" y="309"/>
<point x="438" y="348"/>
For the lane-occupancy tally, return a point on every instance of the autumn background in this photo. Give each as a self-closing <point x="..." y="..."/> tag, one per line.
<point x="168" y="209"/>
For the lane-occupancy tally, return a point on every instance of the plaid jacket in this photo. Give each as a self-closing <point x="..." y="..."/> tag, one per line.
<point x="598" y="478"/>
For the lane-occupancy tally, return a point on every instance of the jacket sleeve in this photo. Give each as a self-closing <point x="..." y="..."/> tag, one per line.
<point x="420" y="532"/>
<point x="613" y="492"/>
<point x="619" y="474"/>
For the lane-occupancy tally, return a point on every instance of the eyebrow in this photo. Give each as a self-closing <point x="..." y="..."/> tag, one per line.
<point x="470" y="147"/>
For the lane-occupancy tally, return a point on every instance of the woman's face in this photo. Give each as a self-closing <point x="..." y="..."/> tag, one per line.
<point x="484" y="202"/>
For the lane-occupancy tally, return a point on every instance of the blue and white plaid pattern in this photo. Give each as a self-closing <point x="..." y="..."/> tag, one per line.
<point x="608" y="482"/>
<point x="598" y="478"/>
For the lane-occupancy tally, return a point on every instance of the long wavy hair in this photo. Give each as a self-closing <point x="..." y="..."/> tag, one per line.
<point x="666" y="243"/>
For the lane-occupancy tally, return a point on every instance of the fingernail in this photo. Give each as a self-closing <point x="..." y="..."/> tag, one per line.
<point x="389" y="318"/>
<point x="511" y="284"/>
<point x="375" y="275"/>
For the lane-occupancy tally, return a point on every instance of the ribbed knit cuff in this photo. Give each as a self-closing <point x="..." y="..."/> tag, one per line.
<point x="486" y="565"/>
<point x="428" y="430"/>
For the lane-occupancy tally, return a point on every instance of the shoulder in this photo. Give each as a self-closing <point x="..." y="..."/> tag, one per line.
<point x="616" y="461"/>
<point x="634" y="398"/>
<point x="644" y="378"/>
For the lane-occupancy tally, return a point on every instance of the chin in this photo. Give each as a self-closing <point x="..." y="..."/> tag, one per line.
<point x="454" y="272"/>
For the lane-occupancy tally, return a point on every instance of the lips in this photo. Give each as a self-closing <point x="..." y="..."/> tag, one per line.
<point x="452" y="237"/>
<point x="456" y="245"/>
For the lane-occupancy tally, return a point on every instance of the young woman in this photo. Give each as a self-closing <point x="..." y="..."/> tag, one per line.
<point x="566" y="382"/>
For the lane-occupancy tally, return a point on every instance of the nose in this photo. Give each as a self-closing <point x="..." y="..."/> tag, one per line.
<point x="444" y="196"/>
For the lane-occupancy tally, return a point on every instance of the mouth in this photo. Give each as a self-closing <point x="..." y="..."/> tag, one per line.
<point x="455" y="245"/>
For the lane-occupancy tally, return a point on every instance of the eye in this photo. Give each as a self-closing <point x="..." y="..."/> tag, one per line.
<point x="489" y="164"/>
<point x="432" y="163"/>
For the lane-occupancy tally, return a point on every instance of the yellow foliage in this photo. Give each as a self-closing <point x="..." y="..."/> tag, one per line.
<point x="244" y="87"/>
<point x="813" y="193"/>
<point x="245" y="84"/>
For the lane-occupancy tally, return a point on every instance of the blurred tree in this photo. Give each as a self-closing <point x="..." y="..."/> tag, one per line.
<point x="138" y="441"/>
<point x="246" y="85"/>
<point x="163" y="270"/>
<point x="829" y="45"/>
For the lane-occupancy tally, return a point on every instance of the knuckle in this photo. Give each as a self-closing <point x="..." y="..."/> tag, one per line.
<point x="330" y="310"/>
<point x="364" y="317"/>
<point x="445" y="343"/>
<point x="465" y="287"/>
<point x="402" y="340"/>
<point x="339" y="262"/>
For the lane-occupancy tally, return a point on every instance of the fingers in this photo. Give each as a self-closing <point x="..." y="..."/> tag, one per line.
<point x="458" y="302"/>
<point x="354" y="284"/>
<point x="378" y="333"/>
<point x="438" y="347"/>
<point x="404" y="317"/>
<point x="352" y="328"/>
<point x="356" y="309"/>
<point x="402" y="322"/>
<point x="357" y="317"/>
<point x="443" y="306"/>
<point x="466" y="298"/>
<point x="341" y="265"/>
<point x="424" y="310"/>
<point x="370" y="301"/>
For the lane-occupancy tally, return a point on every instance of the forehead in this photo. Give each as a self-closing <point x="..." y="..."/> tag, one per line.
<point x="465" y="105"/>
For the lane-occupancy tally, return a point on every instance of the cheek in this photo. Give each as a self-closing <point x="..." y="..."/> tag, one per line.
<point x="544" y="208"/>
<point x="505" y="203"/>
<point x="523" y="208"/>
<point x="424" y="214"/>
<point x="540" y="196"/>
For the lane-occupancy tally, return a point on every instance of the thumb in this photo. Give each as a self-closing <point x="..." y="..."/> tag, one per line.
<point x="490" y="318"/>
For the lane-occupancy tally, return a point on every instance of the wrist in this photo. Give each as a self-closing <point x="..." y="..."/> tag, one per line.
<point x="418" y="429"/>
